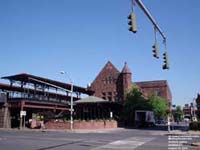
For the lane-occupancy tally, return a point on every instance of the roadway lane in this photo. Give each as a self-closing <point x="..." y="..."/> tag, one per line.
<point x="127" y="139"/>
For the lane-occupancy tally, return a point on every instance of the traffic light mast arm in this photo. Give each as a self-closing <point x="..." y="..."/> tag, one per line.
<point x="145" y="10"/>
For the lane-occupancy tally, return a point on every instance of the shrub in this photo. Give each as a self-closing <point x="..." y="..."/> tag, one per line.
<point x="195" y="125"/>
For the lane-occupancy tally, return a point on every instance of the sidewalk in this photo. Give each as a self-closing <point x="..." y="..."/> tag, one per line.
<point x="179" y="132"/>
<point x="109" y="130"/>
<point x="96" y="130"/>
<point x="67" y="130"/>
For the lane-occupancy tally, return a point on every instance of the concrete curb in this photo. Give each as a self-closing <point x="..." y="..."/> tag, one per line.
<point x="178" y="132"/>
<point x="67" y="130"/>
<point x="194" y="132"/>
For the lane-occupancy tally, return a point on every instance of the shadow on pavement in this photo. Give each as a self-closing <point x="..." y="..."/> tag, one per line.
<point x="160" y="128"/>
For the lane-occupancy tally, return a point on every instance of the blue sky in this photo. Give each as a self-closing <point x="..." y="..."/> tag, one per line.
<point x="42" y="37"/>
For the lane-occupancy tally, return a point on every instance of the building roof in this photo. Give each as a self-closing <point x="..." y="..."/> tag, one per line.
<point x="108" y="69"/>
<point x="151" y="83"/>
<point x="109" y="65"/>
<point x="23" y="77"/>
<point x="198" y="98"/>
<point x="92" y="99"/>
<point x="7" y="87"/>
<point x="126" y="69"/>
<point x="155" y="84"/>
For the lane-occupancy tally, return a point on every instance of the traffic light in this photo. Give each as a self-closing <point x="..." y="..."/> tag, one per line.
<point x="132" y="23"/>
<point x="155" y="50"/>
<point x="166" y="61"/>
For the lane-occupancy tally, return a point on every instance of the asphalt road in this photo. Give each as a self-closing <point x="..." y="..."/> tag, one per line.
<point x="125" y="139"/>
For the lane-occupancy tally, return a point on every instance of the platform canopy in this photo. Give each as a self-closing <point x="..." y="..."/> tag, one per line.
<point x="92" y="99"/>
<point x="28" y="78"/>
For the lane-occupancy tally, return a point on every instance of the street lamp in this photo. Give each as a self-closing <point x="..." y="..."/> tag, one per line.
<point x="71" y="101"/>
<point x="168" y="123"/>
<point x="194" y="118"/>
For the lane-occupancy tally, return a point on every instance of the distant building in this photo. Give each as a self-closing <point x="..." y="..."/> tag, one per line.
<point x="187" y="111"/>
<point x="112" y="84"/>
<point x="198" y="106"/>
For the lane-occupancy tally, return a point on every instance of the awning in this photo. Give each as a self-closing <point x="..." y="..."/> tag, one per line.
<point x="92" y="99"/>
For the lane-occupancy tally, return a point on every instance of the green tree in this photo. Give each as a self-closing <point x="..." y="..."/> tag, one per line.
<point x="178" y="114"/>
<point x="159" y="106"/>
<point x="134" y="101"/>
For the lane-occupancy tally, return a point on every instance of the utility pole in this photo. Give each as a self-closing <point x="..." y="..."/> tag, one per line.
<point x="5" y="118"/>
<point x="168" y="123"/>
<point x="71" y="107"/>
<point x="71" y="101"/>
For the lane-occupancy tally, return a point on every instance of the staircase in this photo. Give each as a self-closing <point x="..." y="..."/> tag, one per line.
<point x="5" y="121"/>
<point x="1" y="117"/>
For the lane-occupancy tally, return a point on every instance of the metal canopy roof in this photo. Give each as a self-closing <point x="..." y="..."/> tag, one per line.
<point x="92" y="99"/>
<point x="28" y="78"/>
<point x="7" y="87"/>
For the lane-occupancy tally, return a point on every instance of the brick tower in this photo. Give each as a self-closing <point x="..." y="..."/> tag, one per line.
<point x="126" y="80"/>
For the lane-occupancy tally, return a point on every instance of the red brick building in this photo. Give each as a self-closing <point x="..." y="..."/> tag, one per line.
<point x="188" y="111"/>
<point x="158" y="88"/>
<point x="112" y="84"/>
<point x="198" y="106"/>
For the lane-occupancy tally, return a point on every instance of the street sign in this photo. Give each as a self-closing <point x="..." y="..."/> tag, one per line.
<point x="22" y="113"/>
<point x="111" y="114"/>
<point x="71" y="110"/>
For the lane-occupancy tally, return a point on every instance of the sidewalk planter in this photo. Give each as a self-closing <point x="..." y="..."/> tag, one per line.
<point x="57" y="125"/>
<point x="111" y="124"/>
<point x="91" y="124"/>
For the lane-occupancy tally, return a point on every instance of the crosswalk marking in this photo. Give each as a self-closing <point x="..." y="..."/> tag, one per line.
<point x="125" y="144"/>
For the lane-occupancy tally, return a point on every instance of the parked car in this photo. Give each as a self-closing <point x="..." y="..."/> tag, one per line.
<point x="144" y="118"/>
<point x="161" y="121"/>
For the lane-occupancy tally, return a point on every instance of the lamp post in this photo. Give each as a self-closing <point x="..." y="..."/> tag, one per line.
<point x="71" y="101"/>
<point x="168" y="123"/>
<point x="194" y="118"/>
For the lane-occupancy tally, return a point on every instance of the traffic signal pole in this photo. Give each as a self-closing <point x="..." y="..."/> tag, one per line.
<point x="156" y="28"/>
<point x="148" y="14"/>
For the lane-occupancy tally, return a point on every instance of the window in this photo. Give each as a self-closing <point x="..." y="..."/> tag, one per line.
<point x="109" y="80"/>
<point x="157" y="93"/>
<point x="109" y="93"/>
<point x="103" y="95"/>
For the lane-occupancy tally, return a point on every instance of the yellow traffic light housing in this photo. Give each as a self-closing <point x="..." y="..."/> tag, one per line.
<point x="155" y="50"/>
<point x="166" y="61"/>
<point x="132" y="22"/>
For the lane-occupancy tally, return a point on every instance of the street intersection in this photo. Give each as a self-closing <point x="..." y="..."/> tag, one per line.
<point x="119" y="139"/>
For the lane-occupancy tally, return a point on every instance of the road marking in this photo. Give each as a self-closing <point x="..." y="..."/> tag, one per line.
<point x="126" y="144"/>
<point x="43" y="138"/>
<point x="1" y="139"/>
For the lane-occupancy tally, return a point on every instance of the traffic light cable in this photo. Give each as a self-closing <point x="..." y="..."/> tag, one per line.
<point x="132" y="5"/>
